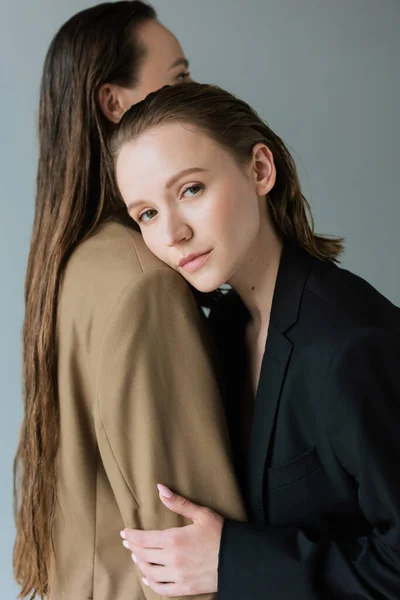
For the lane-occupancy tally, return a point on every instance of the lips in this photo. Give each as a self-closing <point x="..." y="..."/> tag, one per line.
<point x="191" y="262"/>
<point x="189" y="258"/>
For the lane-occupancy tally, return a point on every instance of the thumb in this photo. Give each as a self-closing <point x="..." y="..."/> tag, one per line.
<point x="178" y="504"/>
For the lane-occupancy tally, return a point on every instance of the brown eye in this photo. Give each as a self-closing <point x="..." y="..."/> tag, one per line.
<point x="183" y="76"/>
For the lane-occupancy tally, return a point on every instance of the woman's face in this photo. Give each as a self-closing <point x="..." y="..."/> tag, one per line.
<point x="164" y="63"/>
<point x="198" y="211"/>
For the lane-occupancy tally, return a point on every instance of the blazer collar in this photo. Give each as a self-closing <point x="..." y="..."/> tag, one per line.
<point x="294" y="268"/>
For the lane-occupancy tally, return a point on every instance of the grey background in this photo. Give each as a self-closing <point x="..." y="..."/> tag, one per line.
<point x="324" y="75"/>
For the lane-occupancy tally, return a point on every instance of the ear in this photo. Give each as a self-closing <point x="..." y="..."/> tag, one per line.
<point x="263" y="170"/>
<point x="111" y="101"/>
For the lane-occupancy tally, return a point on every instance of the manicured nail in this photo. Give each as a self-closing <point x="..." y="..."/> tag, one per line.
<point x="122" y="534"/>
<point x="125" y="544"/>
<point x="145" y="581"/>
<point x="133" y="557"/>
<point x="164" y="491"/>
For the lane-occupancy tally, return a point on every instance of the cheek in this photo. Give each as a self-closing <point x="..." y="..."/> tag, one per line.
<point x="153" y="78"/>
<point x="232" y="214"/>
<point x="150" y="239"/>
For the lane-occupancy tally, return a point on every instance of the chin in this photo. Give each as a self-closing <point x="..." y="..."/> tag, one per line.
<point x="205" y="289"/>
<point x="206" y="284"/>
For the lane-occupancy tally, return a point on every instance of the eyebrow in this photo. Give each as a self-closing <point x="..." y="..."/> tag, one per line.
<point x="171" y="182"/>
<point x="179" y="62"/>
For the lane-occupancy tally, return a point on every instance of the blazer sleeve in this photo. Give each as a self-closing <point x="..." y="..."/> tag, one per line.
<point x="363" y="421"/>
<point x="159" y="417"/>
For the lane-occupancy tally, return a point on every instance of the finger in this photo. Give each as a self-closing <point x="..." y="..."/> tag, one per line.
<point x="154" y="556"/>
<point x="178" y="504"/>
<point x="145" y="539"/>
<point x="169" y="590"/>
<point x="157" y="573"/>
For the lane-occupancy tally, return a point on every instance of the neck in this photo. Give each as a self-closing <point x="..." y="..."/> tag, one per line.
<point x="255" y="279"/>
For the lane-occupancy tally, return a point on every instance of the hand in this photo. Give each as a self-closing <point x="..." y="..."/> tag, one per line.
<point x="182" y="561"/>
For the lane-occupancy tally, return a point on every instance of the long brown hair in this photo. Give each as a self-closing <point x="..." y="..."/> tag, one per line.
<point x="235" y="126"/>
<point x="74" y="193"/>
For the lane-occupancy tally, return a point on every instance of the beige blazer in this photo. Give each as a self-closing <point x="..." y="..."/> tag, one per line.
<point x="139" y="404"/>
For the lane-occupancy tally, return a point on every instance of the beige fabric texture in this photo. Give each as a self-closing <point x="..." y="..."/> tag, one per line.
<point x="139" y="405"/>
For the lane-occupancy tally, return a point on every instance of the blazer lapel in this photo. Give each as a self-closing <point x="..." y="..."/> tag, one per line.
<point x="294" y="268"/>
<point x="273" y="369"/>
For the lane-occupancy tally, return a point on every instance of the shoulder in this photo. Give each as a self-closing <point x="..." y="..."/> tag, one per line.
<point x="115" y="248"/>
<point x="114" y="267"/>
<point x="113" y="257"/>
<point x="348" y="301"/>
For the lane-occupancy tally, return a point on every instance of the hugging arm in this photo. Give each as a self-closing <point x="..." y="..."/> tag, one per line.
<point x="159" y="416"/>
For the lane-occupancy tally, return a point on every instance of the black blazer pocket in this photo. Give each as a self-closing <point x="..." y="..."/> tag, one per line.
<point x="301" y="467"/>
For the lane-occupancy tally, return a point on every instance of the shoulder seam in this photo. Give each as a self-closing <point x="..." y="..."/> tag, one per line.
<point x="134" y="247"/>
<point x="348" y="314"/>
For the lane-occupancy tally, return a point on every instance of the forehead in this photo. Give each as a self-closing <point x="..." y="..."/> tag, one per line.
<point x="169" y="146"/>
<point x="160" y="44"/>
<point x="163" y="151"/>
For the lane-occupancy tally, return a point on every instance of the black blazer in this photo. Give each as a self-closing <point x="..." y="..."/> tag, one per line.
<point x="322" y="479"/>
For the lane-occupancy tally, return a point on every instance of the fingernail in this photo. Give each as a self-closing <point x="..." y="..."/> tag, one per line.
<point x="164" y="491"/>
<point x="133" y="557"/>
<point x="145" y="581"/>
<point x="126" y="544"/>
<point x="122" y="534"/>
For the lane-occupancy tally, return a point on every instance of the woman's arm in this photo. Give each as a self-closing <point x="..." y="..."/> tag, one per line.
<point x="159" y="417"/>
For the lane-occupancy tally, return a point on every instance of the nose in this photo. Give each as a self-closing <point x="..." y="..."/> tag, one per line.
<point x="176" y="230"/>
